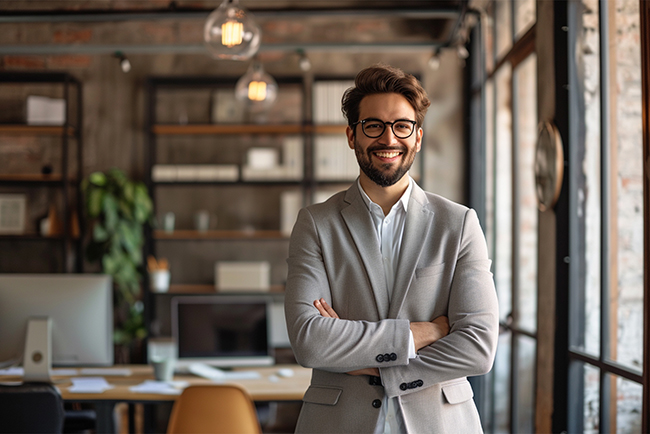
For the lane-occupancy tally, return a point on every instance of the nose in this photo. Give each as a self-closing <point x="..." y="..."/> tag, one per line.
<point x="388" y="134"/>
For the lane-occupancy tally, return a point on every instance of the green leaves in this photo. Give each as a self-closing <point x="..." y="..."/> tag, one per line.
<point x="118" y="209"/>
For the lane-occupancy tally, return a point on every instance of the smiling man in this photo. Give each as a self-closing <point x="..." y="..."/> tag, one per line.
<point x="389" y="294"/>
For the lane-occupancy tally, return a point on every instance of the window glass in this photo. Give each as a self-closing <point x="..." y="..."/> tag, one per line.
<point x="503" y="192"/>
<point x="526" y="233"/>
<point x="526" y="355"/>
<point x="503" y="27"/>
<point x="590" y="58"/>
<point x="627" y="185"/>
<point x="525" y="11"/>
<point x="629" y="396"/>
<point x="488" y="36"/>
<point x="591" y="401"/>
<point x="490" y="183"/>
<point x="502" y="384"/>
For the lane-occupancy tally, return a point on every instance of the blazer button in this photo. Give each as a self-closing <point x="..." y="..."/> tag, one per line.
<point x="403" y="386"/>
<point x="380" y="358"/>
<point x="420" y="383"/>
<point x="376" y="403"/>
<point x="386" y="357"/>
<point x="393" y="356"/>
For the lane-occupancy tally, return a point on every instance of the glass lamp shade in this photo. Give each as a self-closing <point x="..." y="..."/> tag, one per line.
<point x="256" y="89"/>
<point x="230" y="32"/>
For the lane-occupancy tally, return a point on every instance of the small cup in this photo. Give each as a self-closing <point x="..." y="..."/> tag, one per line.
<point x="202" y="220"/>
<point x="159" y="280"/>
<point x="168" y="222"/>
<point x="163" y="369"/>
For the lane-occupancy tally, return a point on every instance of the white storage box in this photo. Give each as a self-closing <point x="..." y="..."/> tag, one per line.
<point x="42" y="110"/>
<point x="242" y="276"/>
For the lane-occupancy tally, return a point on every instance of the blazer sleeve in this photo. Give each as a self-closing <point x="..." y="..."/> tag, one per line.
<point x="335" y="345"/>
<point x="470" y="346"/>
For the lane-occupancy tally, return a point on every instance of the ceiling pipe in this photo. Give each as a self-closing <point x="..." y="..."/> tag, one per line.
<point x="200" y="48"/>
<point x="173" y="14"/>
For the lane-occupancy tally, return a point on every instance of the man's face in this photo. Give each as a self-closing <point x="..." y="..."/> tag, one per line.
<point x="387" y="158"/>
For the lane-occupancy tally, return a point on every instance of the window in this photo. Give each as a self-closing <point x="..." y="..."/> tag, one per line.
<point x="606" y="335"/>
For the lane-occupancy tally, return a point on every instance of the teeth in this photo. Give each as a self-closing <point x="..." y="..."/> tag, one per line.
<point x="387" y="154"/>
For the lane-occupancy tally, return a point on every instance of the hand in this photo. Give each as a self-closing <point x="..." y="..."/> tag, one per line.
<point x="326" y="311"/>
<point x="426" y="333"/>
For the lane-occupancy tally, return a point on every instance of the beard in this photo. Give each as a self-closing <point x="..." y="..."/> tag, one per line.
<point x="384" y="174"/>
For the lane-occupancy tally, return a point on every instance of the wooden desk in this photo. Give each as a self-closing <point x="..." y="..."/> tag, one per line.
<point x="262" y="389"/>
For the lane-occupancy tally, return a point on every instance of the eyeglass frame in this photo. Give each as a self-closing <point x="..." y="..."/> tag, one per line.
<point x="363" y="122"/>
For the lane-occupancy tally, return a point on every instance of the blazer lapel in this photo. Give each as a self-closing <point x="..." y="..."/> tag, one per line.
<point x="359" y="222"/>
<point x="419" y="219"/>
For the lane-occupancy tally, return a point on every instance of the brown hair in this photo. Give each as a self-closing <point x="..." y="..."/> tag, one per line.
<point x="384" y="79"/>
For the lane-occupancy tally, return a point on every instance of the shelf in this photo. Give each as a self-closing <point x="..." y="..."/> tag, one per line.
<point x="209" y="289"/>
<point x="33" y="178"/>
<point x="31" y="237"/>
<point x="45" y="130"/>
<point x="193" y="129"/>
<point x="183" y="234"/>
<point x="64" y="253"/>
<point x="326" y="129"/>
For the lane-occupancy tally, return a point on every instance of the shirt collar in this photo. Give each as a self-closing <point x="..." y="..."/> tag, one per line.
<point x="404" y="200"/>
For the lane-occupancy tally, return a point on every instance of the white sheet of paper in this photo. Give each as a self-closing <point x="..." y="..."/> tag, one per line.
<point x="161" y="387"/>
<point x="89" y="385"/>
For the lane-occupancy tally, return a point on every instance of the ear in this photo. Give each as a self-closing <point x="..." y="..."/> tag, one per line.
<point x="350" y="133"/>
<point x="418" y="140"/>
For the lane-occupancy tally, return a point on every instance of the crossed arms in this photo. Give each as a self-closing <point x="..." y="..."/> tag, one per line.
<point x="424" y="333"/>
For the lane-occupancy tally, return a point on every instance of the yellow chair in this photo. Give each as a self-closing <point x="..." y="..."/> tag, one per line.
<point x="215" y="409"/>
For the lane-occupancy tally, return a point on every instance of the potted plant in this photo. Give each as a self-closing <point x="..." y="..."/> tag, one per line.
<point x="118" y="208"/>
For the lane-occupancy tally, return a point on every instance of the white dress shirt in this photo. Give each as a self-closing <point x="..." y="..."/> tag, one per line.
<point x="389" y="229"/>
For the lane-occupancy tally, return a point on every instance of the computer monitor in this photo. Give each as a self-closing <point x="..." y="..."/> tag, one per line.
<point x="56" y="319"/>
<point x="222" y="330"/>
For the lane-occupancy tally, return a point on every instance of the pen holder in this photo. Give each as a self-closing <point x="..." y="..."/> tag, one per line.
<point x="159" y="280"/>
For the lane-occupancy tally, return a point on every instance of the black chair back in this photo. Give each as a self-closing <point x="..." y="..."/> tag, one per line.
<point x="31" y="408"/>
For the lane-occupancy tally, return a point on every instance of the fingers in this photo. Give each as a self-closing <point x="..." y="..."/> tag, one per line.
<point x="321" y="309"/>
<point x="324" y="309"/>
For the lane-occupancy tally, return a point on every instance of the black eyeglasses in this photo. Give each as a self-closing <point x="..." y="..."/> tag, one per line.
<point x="373" y="128"/>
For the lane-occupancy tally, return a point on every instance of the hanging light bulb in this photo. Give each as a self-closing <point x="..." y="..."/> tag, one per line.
<point x="256" y="88"/>
<point x="303" y="61"/>
<point x="434" y="60"/>
<point x="125" y="64"/>
<point x="230" y="32"/>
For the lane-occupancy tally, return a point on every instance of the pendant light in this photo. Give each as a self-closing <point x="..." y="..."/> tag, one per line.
<point x="230" y="32"/>
<point x="256" y="89"/>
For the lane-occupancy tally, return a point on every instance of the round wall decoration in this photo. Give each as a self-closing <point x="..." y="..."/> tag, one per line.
<point x="549" y="165"/>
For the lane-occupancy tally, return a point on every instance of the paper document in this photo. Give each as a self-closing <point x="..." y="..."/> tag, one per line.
<point x="162" y="387"/>
<point x="12" y="371"/>
<point x="89" y="385"/>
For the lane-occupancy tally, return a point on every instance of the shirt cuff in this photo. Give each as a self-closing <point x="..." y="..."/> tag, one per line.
<point x="412" y="353"/>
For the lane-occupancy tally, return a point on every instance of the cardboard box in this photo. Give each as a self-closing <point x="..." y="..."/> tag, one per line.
<point x="242" y="276"/>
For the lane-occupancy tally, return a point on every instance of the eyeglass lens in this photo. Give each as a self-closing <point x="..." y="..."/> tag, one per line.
<point x="374" y="128"/>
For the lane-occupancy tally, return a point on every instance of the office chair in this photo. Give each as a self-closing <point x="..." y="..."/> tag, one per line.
<point x="217" y="409"/>
<point x="31" y="408"/>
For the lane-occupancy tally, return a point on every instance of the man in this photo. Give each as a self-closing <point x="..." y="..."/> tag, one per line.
<point x="389" y="294"/>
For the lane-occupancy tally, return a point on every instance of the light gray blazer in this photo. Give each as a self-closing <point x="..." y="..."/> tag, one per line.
<point x="443" y="269"/>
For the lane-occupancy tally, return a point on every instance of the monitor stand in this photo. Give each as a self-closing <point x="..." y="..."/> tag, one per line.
<point x="37" y="358"/>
